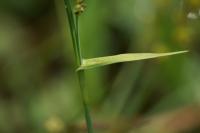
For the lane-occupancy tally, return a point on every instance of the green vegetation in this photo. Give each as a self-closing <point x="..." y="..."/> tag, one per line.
<point x="73" y="17"/>
<point x="70" y="66"/>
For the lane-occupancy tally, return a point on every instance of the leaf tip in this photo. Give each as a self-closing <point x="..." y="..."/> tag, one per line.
<point x="184" y="51"/>
<point x="79" y="69"/>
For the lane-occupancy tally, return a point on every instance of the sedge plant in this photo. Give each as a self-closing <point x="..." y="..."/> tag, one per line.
<point x="74" y="9"/>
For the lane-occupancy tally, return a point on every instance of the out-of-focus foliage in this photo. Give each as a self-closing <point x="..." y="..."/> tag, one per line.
<point x="38" y="85"/>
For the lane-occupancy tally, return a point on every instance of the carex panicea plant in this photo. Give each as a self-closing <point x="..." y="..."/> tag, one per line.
<point x="74" y="9"/>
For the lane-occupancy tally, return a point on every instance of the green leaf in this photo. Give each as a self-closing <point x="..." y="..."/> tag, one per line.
<point x="108" y="60"/>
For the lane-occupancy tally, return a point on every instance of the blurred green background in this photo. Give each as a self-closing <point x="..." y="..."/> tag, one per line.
<point x="39" y="91"/>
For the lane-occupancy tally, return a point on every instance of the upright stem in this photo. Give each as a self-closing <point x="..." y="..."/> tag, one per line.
<point x="73" y="31"/>
<point x="80" y="58"/>
<point x="74" y="28"/>
<point x="81" y="75"/>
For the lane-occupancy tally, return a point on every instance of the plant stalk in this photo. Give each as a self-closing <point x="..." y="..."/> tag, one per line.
<point x="81" y="75"/>
<point x="74" y="30"/>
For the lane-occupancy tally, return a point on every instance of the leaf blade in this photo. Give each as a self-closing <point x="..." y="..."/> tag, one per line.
<point x="108" y="60"/>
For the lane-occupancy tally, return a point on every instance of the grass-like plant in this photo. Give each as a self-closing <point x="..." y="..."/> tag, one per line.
<point x="74" y="10"/>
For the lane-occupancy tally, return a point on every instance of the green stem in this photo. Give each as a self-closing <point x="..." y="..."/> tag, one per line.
<point x="81" y="75"/>
<point x="73" y="31"/>
<point x="78" y="41"/>
<point x="74" y="28"/>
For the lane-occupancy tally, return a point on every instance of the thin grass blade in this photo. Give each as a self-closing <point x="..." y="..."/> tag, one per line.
<point x="108" y="60"/>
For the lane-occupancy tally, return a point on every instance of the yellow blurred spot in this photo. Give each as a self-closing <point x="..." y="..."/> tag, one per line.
<point x="54" y="125"/>
<point x="183" y="35"/>
<point x="162" y="3"/>
<point x="194" y="3"/>
<point x="160" y="47"/>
